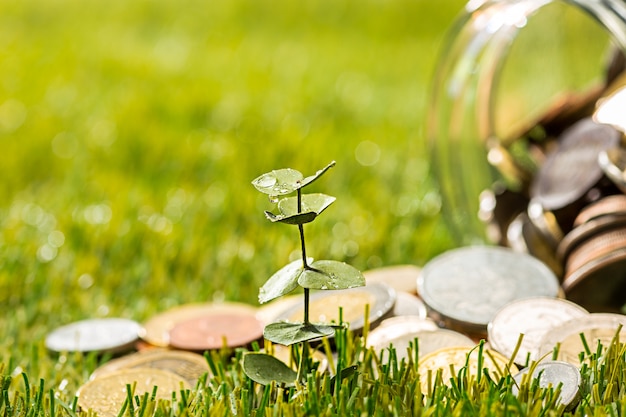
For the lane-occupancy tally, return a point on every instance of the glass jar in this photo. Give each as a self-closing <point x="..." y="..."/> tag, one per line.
<point x="504" y="65"/>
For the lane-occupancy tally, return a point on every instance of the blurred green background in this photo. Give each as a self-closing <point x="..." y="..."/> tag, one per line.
<point x="130" y="133"/>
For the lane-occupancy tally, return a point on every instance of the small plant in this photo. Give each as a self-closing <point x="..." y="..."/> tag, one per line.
<point x="305" y="273"/>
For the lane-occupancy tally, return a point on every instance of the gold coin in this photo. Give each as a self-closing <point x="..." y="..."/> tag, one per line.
<point x="596" y="328"/>
<point x="187" y="365"/>
<point x="461" y="356"/>
<point x="324" y="306"/>
<point x="398" y="277"/>
<point x="156" y="330"/>
<point x="106" y="395"/>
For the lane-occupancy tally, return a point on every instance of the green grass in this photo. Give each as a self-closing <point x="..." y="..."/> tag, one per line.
<point x="129" y="134"/>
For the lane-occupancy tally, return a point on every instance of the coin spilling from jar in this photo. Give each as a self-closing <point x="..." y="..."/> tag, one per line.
<point x="563" y="200"/>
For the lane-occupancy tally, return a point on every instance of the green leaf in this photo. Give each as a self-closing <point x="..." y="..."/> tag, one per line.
<point x="285" y="181"/>
<point x="316" y="203"/>
<point x="318" y="174"/>
<point x="264" y="368"/>
<point x="345" y="373"/>
<point x="282" y="282"/>
<point x="300" y="218"/>
<point x="287" y="334"/>
<point x="311" y="206"/>
<point x="279" y="182"/>
<point x="331" y="275"/>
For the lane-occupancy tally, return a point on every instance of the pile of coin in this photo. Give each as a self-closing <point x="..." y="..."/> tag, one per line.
<point x="562" y="193"/>
<point x="443" y="309"/>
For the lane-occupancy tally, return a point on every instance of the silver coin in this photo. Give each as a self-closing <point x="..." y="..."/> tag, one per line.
<point x="533" y="318"/>
<point x="108" y="335"/>
<point x="613" y="163"/>
<point x="595" y="328"/>
<point x="405" y="324"/>
<point x="409" y="305"/>
<point x="551" y="374"/>
<point x="470" y="284"/>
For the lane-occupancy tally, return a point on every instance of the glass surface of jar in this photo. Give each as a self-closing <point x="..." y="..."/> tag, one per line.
<point x="505" y="65"/>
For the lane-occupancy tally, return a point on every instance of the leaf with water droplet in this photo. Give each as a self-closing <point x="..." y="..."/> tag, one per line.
<point x="312" y="205"/>
<point x="311" y="178"/>
<point x="287" y="334"/>
<point x="278" y="182"/>
<point x="282" y="282"/>
<point x="263" y="369"/>
<point x="331" y="275"/>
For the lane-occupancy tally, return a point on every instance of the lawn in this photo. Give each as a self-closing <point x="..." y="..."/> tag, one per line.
<point x="130" y="132"/>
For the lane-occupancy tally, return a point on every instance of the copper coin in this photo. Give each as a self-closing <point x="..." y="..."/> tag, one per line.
<point x="108" y="335"/>
<point x="532" y="318"/>
<point x="587" y="230"/>
<point x="190" y="366"/>
<point x="216" y="330"/>
<point x="595" y="247"/>
<point x="612" y="204"/>
<point x="156" y="330"/>
<point x="398" y="277"/>
<point x="469" y="285"/>
<point x="572" y="169"/>
<point x="599" y="285"/>
<point x="595" y="328"/>
<point x="106" y="395"/>
<point x="324" y="306"/>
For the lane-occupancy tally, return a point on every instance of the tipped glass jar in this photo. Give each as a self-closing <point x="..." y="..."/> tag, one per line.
<point x="513" y="75"/>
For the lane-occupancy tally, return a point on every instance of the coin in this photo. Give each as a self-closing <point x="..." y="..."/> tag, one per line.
<point x="408" y="323"/>
<point x="269" y="312"/>
<point x="217" y="329"/>
<point x="458" y="357"/>
<point x="553" y="374"/>
<point x="531" y="317"/>
<point x="189" y="366"/>
<point x="595" y="247"/>
<point x="156" y="330"/>
<point x="523" y="236"/>
<point x="468" y="285"/>
<point x="599" y="285"/>
<point x="612" y="204"/>
<point x="588" y="229"/>
<point x="106" y="395"/>
<point x="409" y="305"/>
<point x="398" y="277"/>
<point x="107" y="335"/>
<point x="324" y="306"/>
<point x="427" y="340"/>
<point x="595" y="327"/>
<point x="572" y="169"/>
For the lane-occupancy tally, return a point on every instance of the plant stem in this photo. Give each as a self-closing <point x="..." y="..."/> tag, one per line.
<point x="304" y="263"/>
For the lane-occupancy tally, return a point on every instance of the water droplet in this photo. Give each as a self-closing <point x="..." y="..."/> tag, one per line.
<point x="324" y="287"/>
<point x="265" y="181"/>
<point x="273" y="199"/>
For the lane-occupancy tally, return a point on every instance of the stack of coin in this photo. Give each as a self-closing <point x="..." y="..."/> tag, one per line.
<point x="565" y="203"/>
